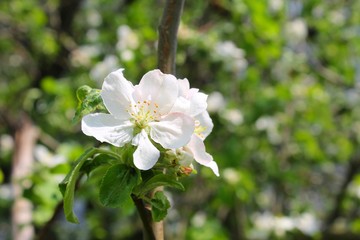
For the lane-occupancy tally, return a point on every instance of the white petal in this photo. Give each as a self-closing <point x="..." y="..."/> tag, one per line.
<point x="159" y="88"/>
<point x="214" y="167"/>
<point x="146" y="155"/>
<point x="107" y="128"/>
<point x="196" y="99"/>
<point x="117" y="94"/>
<point x="206" y="123"/>
<point x="184" y="87"/>
<point x="198" y="103"/>
<point x="173" y="131"/>
<point x="197" y="148"/>
<point x="181" y="105"/>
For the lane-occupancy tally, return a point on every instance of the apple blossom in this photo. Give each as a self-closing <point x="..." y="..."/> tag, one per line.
<point x="193" y="103"/>
<point x="141" y="114"/>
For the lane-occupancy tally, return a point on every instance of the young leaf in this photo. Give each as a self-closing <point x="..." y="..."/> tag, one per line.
<point x="67" y="186"/>
<point x="89" y="101"/>
<point x="117" y="185"/>
<point x="157" y="181"/>
<point x="159" y="206"/>
<point x="98" y="160"/>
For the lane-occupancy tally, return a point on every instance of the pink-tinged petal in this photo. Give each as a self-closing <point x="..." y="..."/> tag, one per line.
<point x="117" y="94"/>
<point x="107" y="128"/>
<point x="214" y="167"/>
<point x="206" y="123"/>
<point x="181" y="105"/>
<point x="184" y="87"/>
<point x="172" y="131"/>
<point x="198" y="103"/>
<point x="161" y="89"/>
<point x="197" y="147"/>
<point x="146" y="154"/>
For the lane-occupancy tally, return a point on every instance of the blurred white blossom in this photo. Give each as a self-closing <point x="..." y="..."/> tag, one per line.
<point x="354" y="189"/>
<point x="352" y="97"/>
<point x="216" y="102"/>
<point x="94" y="18"/>
<point x="276" y="5"/>
<point x="92" y="35"/>
<point x="337" y="17"/>
<point x="6" y="142"/>
<point x="234" y="116"/>
<point x="307" y="223"/>
<point x="82" y="55"/>
<point x="101" y="69"/>
<point x="265" y="123"/>
<point x="270" y="125"/>
<point x="198" y="219"/>
<point x="267" y="223"/>
<point x="296" y="31"/>
<point x="127" y="42"/>
<point x="231" y="175"/>
<point x="47" y="158"/>
<point x="15" y="60"/>
<point x="6" y="192"/>
<point x="228" y="52"/>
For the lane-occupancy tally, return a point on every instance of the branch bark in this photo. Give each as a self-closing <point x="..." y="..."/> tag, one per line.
<point x="145" y="216"/>
<point x="21" y="212"/>
<point x="352" y="169"/>
<point x="168" y="29"/>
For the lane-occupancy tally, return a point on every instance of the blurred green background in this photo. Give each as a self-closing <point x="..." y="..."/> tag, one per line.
<point x="283" y="78"/>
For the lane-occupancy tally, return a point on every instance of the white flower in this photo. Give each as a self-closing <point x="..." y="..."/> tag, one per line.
<point x="137" y="112"/>
<point x="46" y="158"/>
<point x="215" y="102"/>
<point x="234" y="116"/>
<point x="99" y="71"/>
<point x="127" y="42"/>
<point x="228" y="52"/>
<point x="193" y="103"/>
<point x="296" y="31"/>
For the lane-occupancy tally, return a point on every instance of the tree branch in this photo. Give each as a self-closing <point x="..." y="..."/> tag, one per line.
<point x="145" y="216"/>
<point x="352" y="169"/>
<point x="168" y="29"/>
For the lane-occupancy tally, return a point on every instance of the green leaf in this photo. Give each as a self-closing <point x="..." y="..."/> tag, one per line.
<point x="117" y="185"/>
<point x="89" y="101"/>
<point x="67" y="186"/>
<point x="98" y="160"/>
<point x="159" y="206"/>
<point x="157" y="181"/>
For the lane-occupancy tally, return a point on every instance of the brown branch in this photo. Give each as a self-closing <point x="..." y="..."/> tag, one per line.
<point x="168" y="29"/>
<point x="21" y="213"/>
<point x="352" y="169"/>
<point x="43" y="234"/>
<point x="145" y="215"/>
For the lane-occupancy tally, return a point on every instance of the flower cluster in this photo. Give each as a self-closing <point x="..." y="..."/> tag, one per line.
<point x="160" y="110"/>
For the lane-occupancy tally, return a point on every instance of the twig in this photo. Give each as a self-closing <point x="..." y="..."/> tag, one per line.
<point x="43" y="234"/>
<point x="352" y="169"/>
<point x="145" y="216"/>
<point x="168" y="29"/>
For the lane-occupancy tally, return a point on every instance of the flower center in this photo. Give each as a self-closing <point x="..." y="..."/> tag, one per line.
<point x="199" y="129"/>
<point x="144" y="112"/>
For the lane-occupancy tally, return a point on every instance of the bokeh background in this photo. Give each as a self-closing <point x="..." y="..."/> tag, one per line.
<point x="283" y="78"/>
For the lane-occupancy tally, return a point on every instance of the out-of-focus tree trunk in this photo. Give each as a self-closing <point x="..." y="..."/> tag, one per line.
<point x="21" y="215"/>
